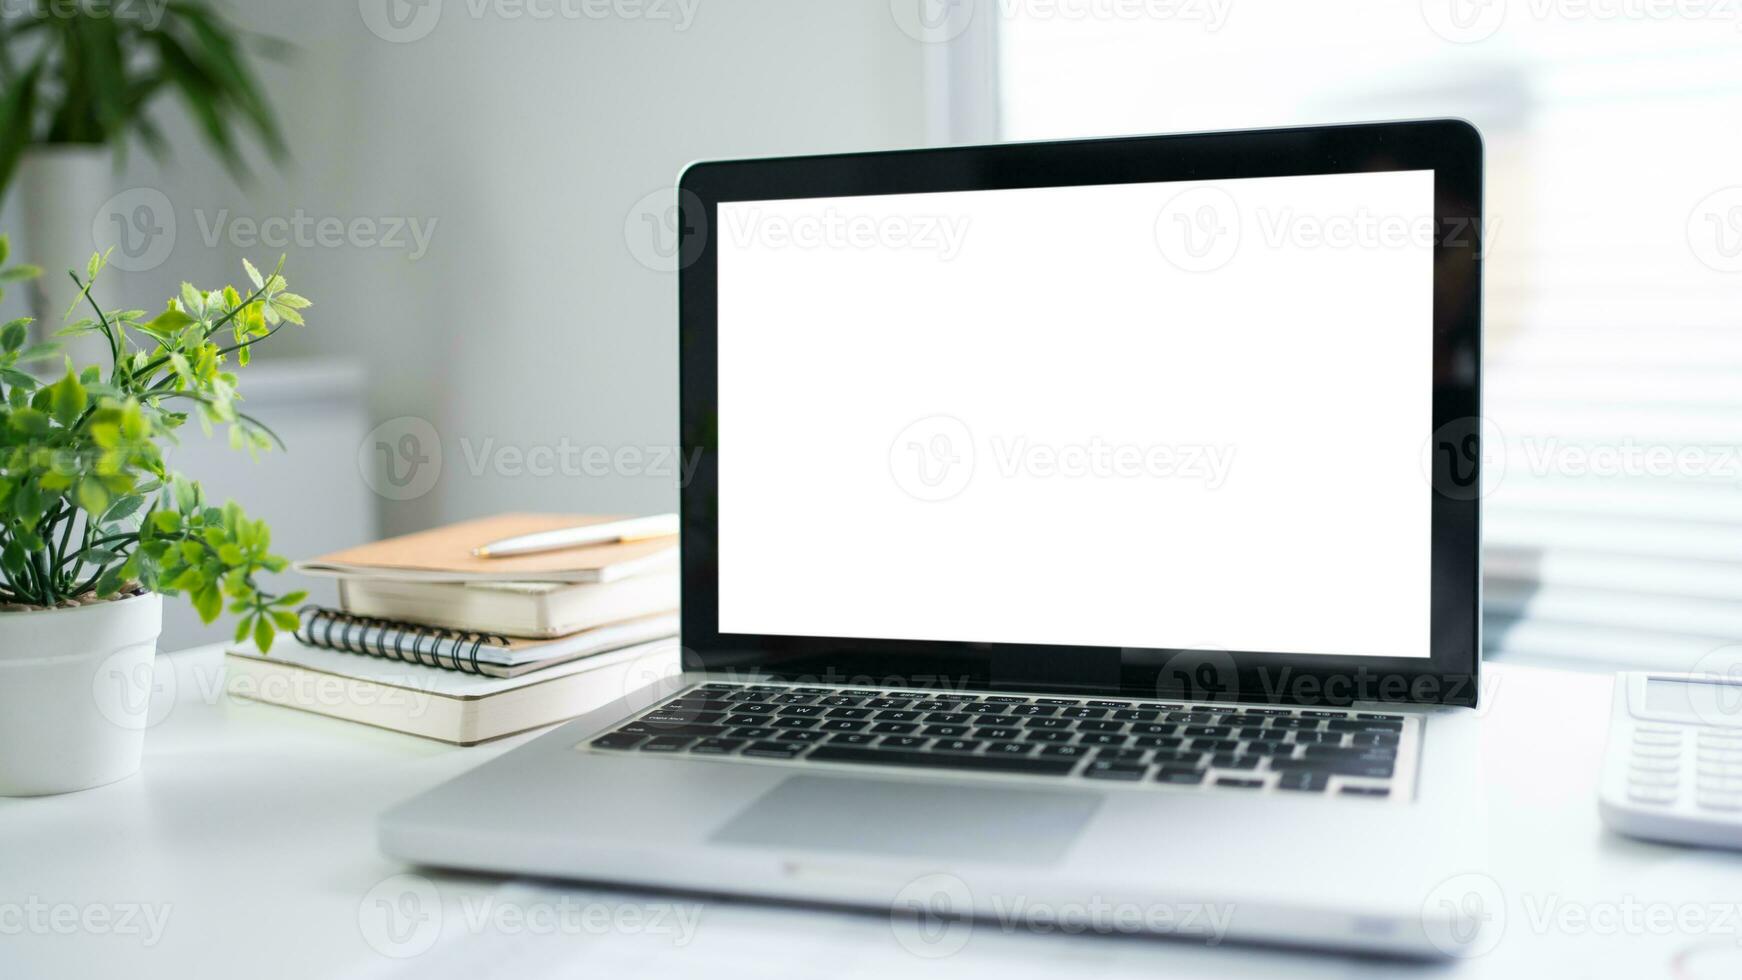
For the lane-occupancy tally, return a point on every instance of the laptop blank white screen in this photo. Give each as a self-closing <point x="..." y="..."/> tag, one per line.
<point x="1164" y="415"/>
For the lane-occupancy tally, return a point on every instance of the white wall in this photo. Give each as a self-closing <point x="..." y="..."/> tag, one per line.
<point x="526" y="144"/>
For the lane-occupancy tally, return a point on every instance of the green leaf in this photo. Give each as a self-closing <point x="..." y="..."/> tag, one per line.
<point x="285" y="621"/>
<point x="243" y="625"/>
<point x="168" y="323"/>
<point x="263" y="634"/>
<point x="166" y="521"/>
<point x="209" y="602"/>
<point x="93" y="499"/>
<point x="253" y="274"/>
<point x="67" y="399"/>
<point x="14" y="333"/>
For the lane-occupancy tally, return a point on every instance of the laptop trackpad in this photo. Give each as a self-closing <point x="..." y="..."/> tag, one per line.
<point x="974" y="823"/>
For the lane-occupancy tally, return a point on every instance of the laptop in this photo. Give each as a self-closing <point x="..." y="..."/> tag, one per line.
<point x="1079" y="528"/>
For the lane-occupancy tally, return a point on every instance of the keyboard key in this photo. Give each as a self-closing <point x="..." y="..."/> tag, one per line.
<point x="1303" y="782"/>
<point x="1052" y="724"/>
<point x="792" y="699"/>
<point x="1157" y="742"/>
<point x="1317" y="738"/>
<point x="1189" y="717"/>
<point x="785" y="722"/>
<point x="1002" y="699"/>
<point x="665" y="743"/>
<point x="802" y="710"/>
<point x="1154" y="729"/>
<point x="801" y="735"/>
<point x="1333" y="768"/>
<point x="1100" y="726"/>
<point x="1207" y="731"/>
<point x="1119" y="755"/>
<point x="1364" y="725"/>
<point x="842" y="725"/>
<point x="717" y="746"/>
<point x="617" y="741"/>
<point x="1103" y="738"/>
<point x="1268" y="748"/>
<point x="1215" y="744"/>
<point x="902" y="742"/>
<point x="1375" y="791"/>
<point x="1239" y="783"/>
<point x="998" y="732"/>
<point x="751" y="708"/>
<point x="1084" y="713"/>
<point x="1223" y="760"/>
<point x="718" y="686"/>
<point x="683" y="718"/>
<point x="741" y="719"/>
<point x="1046" y="735"/>
<point x="1135" y="714"/>
<point x="693" y="731"/>
<point x="841" y="701"/>
<point x="943" y="760"/>
<point x="956" y="745"/>
<point x="1010" y="748"/>
<point x="937" y="706"/>
<point x="1179" y="776"/>
<point x="1375" y="739"/>
<point x="945" y="731"/>
<point x="1124" y="771"/>
<point x="1063" y="751"/>
<point x="853" y="738"/>
<point x="1033" y="711"/>
<point x="897" y="715"/>
<point x="1270" y="712"/>
<point x="894" y="728"/>
<point x="1324" y="714"/>
<point x="949" y="717"/>
<point x="1177" y="759"/>
<point x="753" y="734"/>
<point x="889" y="703"/>
<point x="1366" y="717"/>
<point x="850" y="714"/>
<point x="1108" y="704"/>
<point x="774" y="750"/>
<point x="697" y="704"/>
<point x="813" y="690"/>
<point x="1057" y="702"/>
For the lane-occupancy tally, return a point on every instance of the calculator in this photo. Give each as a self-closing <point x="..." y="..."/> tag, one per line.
<point x="1673" y="768"/>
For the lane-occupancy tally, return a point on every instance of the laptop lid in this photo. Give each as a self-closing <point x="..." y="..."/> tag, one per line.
<point x="1179" y="416"/>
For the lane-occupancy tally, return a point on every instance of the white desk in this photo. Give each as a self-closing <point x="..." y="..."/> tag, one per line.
<point x="249" y="833"/>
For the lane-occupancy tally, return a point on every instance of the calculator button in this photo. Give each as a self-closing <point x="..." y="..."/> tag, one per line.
<point x="1639" y="778"/>
<point x="1719" y="785"/>
<point x="1655" y="738"/>
<point x="1651" y="794"/>
<point x="1657" y="751"/>
<point x="1657" y="729"/>
<point x="1656" y="765"/>
<point x="1709" y="754"/>
<point x="1722" y="770"/>
<point x="1721" y="801"/>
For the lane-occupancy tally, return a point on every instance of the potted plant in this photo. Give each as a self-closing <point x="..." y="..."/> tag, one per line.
<point x="95" y="529"/>
<point x="77" y="78"/>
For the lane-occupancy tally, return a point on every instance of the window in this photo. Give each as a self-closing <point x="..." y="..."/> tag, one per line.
<point x="1614" y="257"/>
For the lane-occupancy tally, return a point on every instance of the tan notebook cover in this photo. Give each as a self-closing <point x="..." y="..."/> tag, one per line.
<point x="444" y="554"/>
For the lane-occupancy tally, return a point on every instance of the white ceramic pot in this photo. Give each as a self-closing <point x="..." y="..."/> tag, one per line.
<point x="60" y="190"/>
<point x="75" y="689"/>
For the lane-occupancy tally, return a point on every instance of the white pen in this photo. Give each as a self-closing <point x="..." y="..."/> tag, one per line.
<point x="611" y="532"/>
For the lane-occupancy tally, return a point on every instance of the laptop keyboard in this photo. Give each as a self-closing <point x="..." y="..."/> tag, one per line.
<point x="1232" y="747"/>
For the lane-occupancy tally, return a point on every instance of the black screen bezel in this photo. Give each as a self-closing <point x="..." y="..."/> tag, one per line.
<point x="1452" y="149"/>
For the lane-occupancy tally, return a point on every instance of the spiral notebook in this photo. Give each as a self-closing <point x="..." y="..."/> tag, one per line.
<point x="470" y="652"/>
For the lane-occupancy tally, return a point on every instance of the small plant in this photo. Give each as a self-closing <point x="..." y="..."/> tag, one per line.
<point x="86" y="71"/>
<point x="88" y="510"/>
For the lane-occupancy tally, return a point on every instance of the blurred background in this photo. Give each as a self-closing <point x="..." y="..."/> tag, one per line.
<point x="477" y="196"/>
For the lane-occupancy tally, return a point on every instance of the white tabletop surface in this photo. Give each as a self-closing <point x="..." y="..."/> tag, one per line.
<point x="245" y="848"/>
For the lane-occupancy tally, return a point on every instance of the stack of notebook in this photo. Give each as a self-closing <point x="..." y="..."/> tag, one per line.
<point x="543" y="636"/>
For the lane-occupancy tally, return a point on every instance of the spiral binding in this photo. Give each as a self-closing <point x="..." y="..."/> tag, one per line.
<point x="316" y="624"/>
